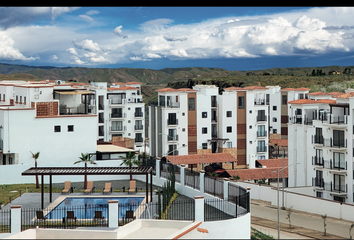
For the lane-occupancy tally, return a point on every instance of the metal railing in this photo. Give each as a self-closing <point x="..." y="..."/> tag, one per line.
<point x="261" y="133"/>
<point x="192" y="179"/>
<point x="5" y="220"/>
<point x="317" y="182"/>
<point x="339" y="165"/>
<point x="214" y="186"/>
<point x="317" y="161"/>
<point x="65" y="217"/>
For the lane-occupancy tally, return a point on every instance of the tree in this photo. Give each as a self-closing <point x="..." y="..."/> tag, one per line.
<point x="236" y="178"/>
<point x="129" y="161"/>
<point x="85" y="158"/>
<point x="35" y="156"/>
<point x="289" y="211"/>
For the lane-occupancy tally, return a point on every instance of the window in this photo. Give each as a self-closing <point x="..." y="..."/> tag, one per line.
<point x="274" y="108"/>
<point x="70" y="128"/>
<point x="204" y="130"/>
<point x="183" y="114"/>
<point x="138" y="137"/>
<point x="172" y="134"/>
<point x="261" y="131"/>
<point x="100" y="118"/>
<point x="172" y="119"/>
<point x="117" y="126"/>
<point x="275" y="119"/>
<point x="204" y="145"/>
<point x="250" y="127"/>
<point x="241" y="102"/>
<point x="338" y="138"/>
<point x="275" y="130"/>
<point x="339" y="183"/>
<point x="56" y="128"/>
<point x="139" y="125"/>
<point x="339" y="160"/>
<point x="261" y="146"/>
<point x="229" y="114"/>
<point x="24" y="99"/>
<point x="138" y="112"/>
<point x="100" y="103"/>
<point x="229" y="145"/>
<point x="3" y="97"/>
<point x="319" y="194"/>
<point x="20" y="99"/>
<point x="284" y="99"/>
<point x="100" y="131"/>
<point x="301" y="96"/>
<point x="191" y="104"/>
<point x="183" y="129"/>
<point x="16" y="98"/>
<point x="204" y="114"/>
<point x="117" y="113"/>
<point x="261" y="115"/>
<point x="162" y="101"/>
<point x="229" y="129"/>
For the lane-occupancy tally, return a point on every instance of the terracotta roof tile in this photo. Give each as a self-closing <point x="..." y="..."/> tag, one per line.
<point x="121" y="88"/>
<point x="295" y="89"/>
<point x="280" y="142"/>
<point x="273" y="163"/>
<point x="246" y="88"/>
<point x="132" y="83"/>
<point x="176" y="90"/>
<point x="310" y="101"/>
<point x="256" y="173"/>
<point x="198" y="158"/>
<point x="319" y="93"/>
<point x="345" y="95"/>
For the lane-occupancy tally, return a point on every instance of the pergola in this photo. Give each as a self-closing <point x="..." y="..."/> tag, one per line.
<point x="50" y="171"/>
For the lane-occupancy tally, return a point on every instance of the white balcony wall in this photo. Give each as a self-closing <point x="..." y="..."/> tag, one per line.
<point x="228" y="102"/>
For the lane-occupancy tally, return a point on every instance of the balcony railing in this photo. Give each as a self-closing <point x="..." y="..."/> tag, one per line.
<point x="318" y="182"/>
<point x="318" y="161"/>
<point x="333" y="119"/>
<point x="138" y="127"/>
<point x="340" y="188"/>
<point x="172" y="138"/>
<point x="317" y="139"/>
<point x="138" y="114"/>
<point x="118" y="129"/>
<point x="172" y="121"/>
<point x="335" y="165"/>
<point x="138" y="140"/>
<point x="117" y="115"/>
<point x="261" y="118"/>
<point x="261" y="149"/>
<point x="173" y="105"/>
<point x="261" y="133"/>
<point x="336" y="143"/>
<point x="259" y="101"/>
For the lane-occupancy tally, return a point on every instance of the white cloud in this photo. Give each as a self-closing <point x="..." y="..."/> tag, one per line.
<point x="8" y="51"/>
<point x="55" y="57"/>
<point x="72" y="51"/>
<point x="92" y="12"/>
<point x="152" y="55"/>
<point x="87" y="18"/>
<point x="57" y="11"/>
<point x="175" y="38"/>
<point x="139" y="59"/>
<point x="99" y="59"/>
<point x="87" y="45"/>
<point x="179" y="52"/>
<point x="118" y="31"/>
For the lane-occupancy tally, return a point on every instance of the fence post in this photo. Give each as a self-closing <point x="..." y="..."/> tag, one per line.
<point x="226" y="189"/>
<point x="248" y="199"/>
<point x="182" y="169"/>
<point x="199" y="208"/>
<point x="158" y="171"/>
<point x="113" y="213"/>
<point x="201" y="181"/>
<point x="15" y="218"/>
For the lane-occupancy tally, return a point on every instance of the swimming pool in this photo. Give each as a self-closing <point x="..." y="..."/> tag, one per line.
<point x="85" y="207"/>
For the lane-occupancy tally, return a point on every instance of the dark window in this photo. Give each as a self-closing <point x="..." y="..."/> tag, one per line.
<point x="204" y="130"/>
<point x="56" y="128"/>
<point x="301" y="96"/>
<point x="204" y="146"/>
<point x="191" y="104"/>
<point x="339" y="183"/>
<point x="100" y="103"/>
<point x="274" y="108"/>
<point x="162" y="101"/>
<point x="228" y="114"/>
<point x="100" y="118"/>
<point x="204" y="114"/>
<point x="338" y="138"/>
<point x="275" y="119"/>
<point x="183" y="129"/>
<point x="70" y="128"/>
<point x="339" y="160"/>
<point x="24" y="99"/>
<point x="100" y="131"/>
<point x="284" y="99"/>
<point x="229" y="129"/>
<point x="172" y="119"/>
<point x="138" y="137"/>
<point x="138" y="112"/>
<point x="261" y="115"/>
<point x="117" y="113"/>
<point x="241" y="102"/>
<point x="16" y="98"/>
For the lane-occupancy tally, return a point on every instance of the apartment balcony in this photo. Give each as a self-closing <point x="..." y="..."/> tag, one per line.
<point x="118" y="129"/>
<point x="317" y="161"/>
<point x="318" y="182"/>
<point x="340" y="121"/>
<point x="117" y="116"/>
<point x="138" y="114"/>
<point x="261" y="134"/>
<point x="139" y="140"/>
<point x="317" y="139"/>
<point x="340" y="189"/>
<point x="262" y="149"/>
<point x="335" y="165"/>
<point x="260" y="101"/>
<point x="138" y="127"/>
<point x="261" y="118"/>
<point x="117" y="101"/>
<point x="172" y="138"/>
<point x="335" y="143"/>
<point x="172" y="122"/>
<point x="172" y="105"/>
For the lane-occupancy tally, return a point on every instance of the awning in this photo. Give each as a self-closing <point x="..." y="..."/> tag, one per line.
<point x="75" y="92"/>
<point x="110" y="148"/>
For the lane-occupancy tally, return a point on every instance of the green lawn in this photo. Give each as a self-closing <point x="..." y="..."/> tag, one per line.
<point x="13" y="191"/>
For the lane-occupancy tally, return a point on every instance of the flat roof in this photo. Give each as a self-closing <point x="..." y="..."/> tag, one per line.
<point x="113" y="148"/>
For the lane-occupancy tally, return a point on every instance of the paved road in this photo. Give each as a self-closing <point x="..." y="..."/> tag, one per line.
<point x="301" y="219"/>
<point x="274" y="233"/>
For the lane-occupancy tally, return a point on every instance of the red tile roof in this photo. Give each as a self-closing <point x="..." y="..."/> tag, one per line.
<point x="176" y="90"/>
<point x="295" y="89"/>
<point x="310" y="101"/>
<point x="280" y="142"/>
<point x="121" y="88"/>
<point x="345" y="95"/>
<point x="246" y="88"/>
<point x="198" y="158"/>
<point x="257" y="173"/>
<point x="319" y="93"/>
<point x="273" y="163"/>
<point x="131" y="83"/>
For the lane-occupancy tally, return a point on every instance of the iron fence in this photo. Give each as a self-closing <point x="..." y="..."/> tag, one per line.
<point x="191" y="179"/>
<point x="165" y="170"/>
<point x="66" y="217"/>
<point x="214" y="186"/>
<point x="5" y="220"/>
<point x="219" y="209"/>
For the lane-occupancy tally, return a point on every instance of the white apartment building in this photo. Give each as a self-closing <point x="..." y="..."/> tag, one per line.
<point x="321" y="145"/>
<point x="193" y="121"/>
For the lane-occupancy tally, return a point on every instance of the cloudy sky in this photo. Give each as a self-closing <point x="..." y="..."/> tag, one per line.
<point x="234" y="38"/>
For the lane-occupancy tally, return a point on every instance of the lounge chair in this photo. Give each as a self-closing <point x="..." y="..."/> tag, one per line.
<point x="67" y="187"/>
<point x="98" y="215"/>
<point x="107" y="188"/>
<point x="90" y="188"/>
<point x="40" y="216"/>
<point x="132" y="186"/>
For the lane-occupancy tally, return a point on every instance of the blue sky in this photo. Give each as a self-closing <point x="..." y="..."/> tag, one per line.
<point x="234" y="38"/>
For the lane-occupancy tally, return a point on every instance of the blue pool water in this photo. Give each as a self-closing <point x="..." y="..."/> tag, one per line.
<point x="84" y="208"/>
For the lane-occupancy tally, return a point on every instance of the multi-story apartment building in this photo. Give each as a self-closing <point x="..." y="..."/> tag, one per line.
<point x="120" y="112"/>
<point x="321" y="144"/>
<point x="193" y="121"/>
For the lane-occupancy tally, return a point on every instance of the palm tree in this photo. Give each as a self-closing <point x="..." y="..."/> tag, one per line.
<point x="129" y="161"/>
<point x="35" y="156"/>
<point x="85" y="158"/>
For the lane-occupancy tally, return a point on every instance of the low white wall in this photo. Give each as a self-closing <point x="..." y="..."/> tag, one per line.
<point x="75" y="234"/>
<point x="301" y="202"/>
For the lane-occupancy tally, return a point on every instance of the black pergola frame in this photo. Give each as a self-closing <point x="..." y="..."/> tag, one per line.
<point x="50" y="171"/>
